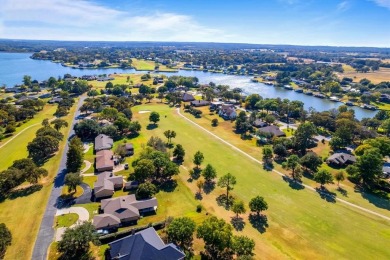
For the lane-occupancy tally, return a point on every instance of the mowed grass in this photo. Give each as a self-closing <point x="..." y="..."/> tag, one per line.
<point x="23" y="214"/>
<point x="134" y="79"/>
<point x="143" y="64"/>
<point x="300" y="223"/>
<point x="66" y="220"/>
<point x="383" y="74"/>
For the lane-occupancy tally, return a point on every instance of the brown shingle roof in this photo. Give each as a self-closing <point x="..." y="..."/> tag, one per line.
<point x="104" y="159"/>
<point x="105" y="221"/>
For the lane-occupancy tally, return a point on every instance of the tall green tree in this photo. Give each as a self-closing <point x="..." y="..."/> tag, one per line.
<point x="144" y="169"/>
<point x="179" y="152"/>
<point x="209" y="173"/>
<point x="291" y="163"/>
<point x="169" y="134"/>
<point x="311" y="161"/>
<point x="303" y="136"/>
<point x="258" y="204"/>
<point x="267" y="154"/>
<point x="323" y="177"/>
<point x="243" y="247"/>
<point x="146" y="190"/>
<point x="370" y="166"/>
<point x="72" y="180"/>
<point x="238" y="207"/>
<point x="59" y="123"/>
<point x="181" y="231"/>
<point x="154" y="117"/>
<point x="339" y="176"/>
<point x="5" y="239"/>
<point x="227" y="181"/>
<point x="198" y="159"/>
<point x="75" y="155"/>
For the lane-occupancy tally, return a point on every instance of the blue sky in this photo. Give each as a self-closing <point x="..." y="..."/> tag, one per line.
<point x="301" y="22"/>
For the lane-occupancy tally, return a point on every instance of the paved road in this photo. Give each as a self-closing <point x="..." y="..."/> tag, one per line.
<point x="46" y="230"/>
<point x="284" y="175"/>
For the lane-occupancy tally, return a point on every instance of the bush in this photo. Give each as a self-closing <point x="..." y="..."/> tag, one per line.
<point x="199" y="208"/>
<point x="214" y="122"/>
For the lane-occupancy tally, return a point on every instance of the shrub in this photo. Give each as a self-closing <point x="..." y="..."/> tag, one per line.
<point x="199" y="208"/>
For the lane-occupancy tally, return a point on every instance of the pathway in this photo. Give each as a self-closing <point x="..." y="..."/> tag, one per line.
<point x="83" y="216"/>
<point x="46" y="230"/>
<point x="280" y="173"/>
<point x="88" y="165"/>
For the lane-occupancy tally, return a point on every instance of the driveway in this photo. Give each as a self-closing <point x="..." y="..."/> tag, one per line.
<point x="86" y="196"/>
<point x="46" y="230"/>
<point x="83" y="216"/>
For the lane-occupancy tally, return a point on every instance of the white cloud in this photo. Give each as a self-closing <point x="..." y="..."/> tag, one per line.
<point x="382" y="3"/>
<point x="343" y="6"/>
<point x="86" y="20"/>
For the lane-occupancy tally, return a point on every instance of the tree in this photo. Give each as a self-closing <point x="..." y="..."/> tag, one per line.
<point x="216" y="234"/>
<point x="75" y="155"/>
<point x="75" y="242"/>
<point x="45" y="122"/>
<point x="198" y="159"/>
<point x="242" y="125"/>
<point x="267" y="154"/>
<point x="154" y="117"/>
<point x="48" y="131"/>
<point x="72" y="180"/>
<point x="339" y="176"/>
<point x="169" y="134"/>
<point x="209" y="173"/>
<point x="30" y="171"/>
<point x="27" y="80"/>
<point x="258" y="204"/>
<point x="87" y="129"/>
<point x="200" y="185"/>
<point x="311" y="161"/>
<point x="146" y="190"/>
<point x="42" y="147"/>
<point x="370" y="166"/>
<point x="382" y="143"/>
<point x="134" y="127"/>
<point x="280" y="150"/>
<point x="336" y="143"/>
<point x="291" y="163"/>
<point x="303" y="136"/>
<point x="122" y="123"/>
<point x="238" y="207"/>
<point x="59" y="123"/>
<point x="214" y="122"/>
<point x="179" y="152"/>
<point x="243" y="246"/>
<point x="109" y="113"/>
<point x="5" y="239"/>
<point x="181" y="231"/>
<point x="143" y="170"/>
<point x="386" y="127"/>
<point x="323" y="177"/>
<point x="227" y="181"/>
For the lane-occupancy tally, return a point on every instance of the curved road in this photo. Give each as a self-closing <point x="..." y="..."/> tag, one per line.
<point x="282" y="174"/>
<point x="46" y="230"/>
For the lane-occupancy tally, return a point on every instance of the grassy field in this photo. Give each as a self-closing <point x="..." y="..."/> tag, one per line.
<point x="149" y="65"/>
<point x="300" y="223"/>
<point x="383" y="74"/>
<point x="23" y="213"/>
<point x="66" y="220"/>
<point x="122" y="79"/>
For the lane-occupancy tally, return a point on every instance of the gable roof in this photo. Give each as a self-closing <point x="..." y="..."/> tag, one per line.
<point x="104" y="159"/>
<point x="272" y="129"/>
<point x="106" y="182"/>
<point x="103" y="142"/>
<point x="199" y="103"/>
<point x="259" y="123"/>
<point x="188" y="97"/>
<point x="145" y="244"/>
<point x="341" y="158"/>
<point x="105" y="220"/>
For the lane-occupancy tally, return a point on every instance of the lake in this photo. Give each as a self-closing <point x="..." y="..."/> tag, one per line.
<point x="13" y="66"/>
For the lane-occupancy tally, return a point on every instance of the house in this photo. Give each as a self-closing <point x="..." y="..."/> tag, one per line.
<point x="385" y="98"/>
<point x="227" y="112"/>
<point x="129" y="149"/>
<point x="106" y="222"/>
<point x="55" y="100"/>
<point x="106" y="185"/>
<point x="104" y="161"/>
<point x="13" y="90"/>
<point x="341" y="159"/>
<point x="199" y="103"/>
<point x="145" y="244"/>
<point x="103" y="142"/>
<point x="187" y="97"/>
<point x="258" y="123"/>
<point x="273" y="130"/>
<point x="127" y="208"/>
<point x="386" y="170"/>
<point x="215" y="105"/>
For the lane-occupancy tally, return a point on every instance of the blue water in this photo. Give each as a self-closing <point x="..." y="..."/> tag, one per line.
<point x="13" y="66"/>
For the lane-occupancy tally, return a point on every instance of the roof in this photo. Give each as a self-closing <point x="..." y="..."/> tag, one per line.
<point x="104" y="159"/>
<point x="273" y="129"/>
<point x="188" y="97"/>
<point x="106" y="182"/>
<point x="259" y="123"/>
<point x="105" y="221"/>
<point x="199" y="103"/>
<point x="341" y="158"/>
<point x="145" y="244"/>
<point x="129" y="146"/>
<point x="103" y="142"/>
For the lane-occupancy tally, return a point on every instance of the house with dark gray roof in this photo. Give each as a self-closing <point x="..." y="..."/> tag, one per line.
<point x="187" y="97"/>
<point x="258" y="123"/>
<point x="341" y="159"/>
<point x="103" y="142"/>
<point x="143" y="245"/>
<point x="273" y="130"/>
<point x="199" y="103"/>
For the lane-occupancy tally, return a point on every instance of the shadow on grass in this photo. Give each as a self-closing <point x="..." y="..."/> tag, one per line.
<point x="223" y="202"/>
<point x="268" y="166"/>
<point x="132" y="135"/>
<point x="151" y="126"/>
<point x="293" y="184"/>
<point x="259" y="222"/>
<point x="168" y="186"/>
<point x="326" y="194"/>
<point x="342" y="191"/>
<point x="24" y="192"/>
<point x="198" y="196"/>
<point x="378" y="200"/>
<point x="208" y="187"/>
<point x="238" y="223"/>
<point x="195" y="173"/>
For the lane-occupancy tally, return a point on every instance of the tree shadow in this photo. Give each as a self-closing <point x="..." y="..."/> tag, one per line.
<point x="168" y="186"/>
<point x="24" y="192"/>
<point x="268" y="166"/>
<point x="177" y="161"/>
<point x="208" y="187"/>
<point x="198" y="196"/>
<point x="223" y="202"/>
<point x="238" y="223"/>
<point x="259" y="222"/>
<point x="169" y="145"/>
<point x="195" y="173"/>
<point x="378" y="201"/>
<point x="342" y="191"/>
<point x="151" y="126"/>
<point x="293" y="184"/>
<point x="326" y="194"/>
<point x="246" y="137"/>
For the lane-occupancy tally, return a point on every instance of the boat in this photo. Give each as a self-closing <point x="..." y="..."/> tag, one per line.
<point x="288" y="87"/>
<point x="299" y="90"/>
<point x="269" y="83"/>
<point x="368" y="107"/>
<point x="334" y="99"/>
<point x="349" y="103"/>
<point x="319" y="95"/>
<point x="309" y="93"/>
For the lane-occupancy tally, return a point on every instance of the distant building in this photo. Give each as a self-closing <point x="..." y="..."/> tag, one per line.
<point x="103" y="142"/>
<point x="187" y="97"/>
<point x="258" y="123"/>
<point x="106" y="185"/>
<point x="199" y="103"/>
<point x="227" y="112"/>
<point x="273" y="130"/>
<point x="341" y="159"/>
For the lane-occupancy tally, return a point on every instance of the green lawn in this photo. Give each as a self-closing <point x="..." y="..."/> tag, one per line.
<point x="300" y="223"/>
<point x="66" y="220"/>
<point x="23" y="214"/>
<point x="143" y="64"/>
